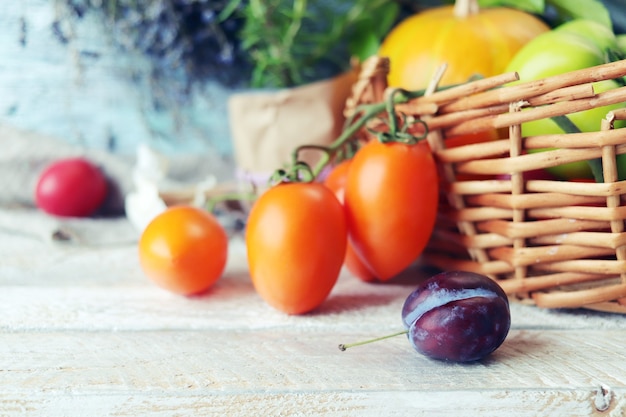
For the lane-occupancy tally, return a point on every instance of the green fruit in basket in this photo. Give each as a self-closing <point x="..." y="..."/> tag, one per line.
<point x="562" y="50"/>
<point x="586" y="121"/>
<point x="621" y="43"/>
<point x="601" y="35"/>
<point x="554" y="53"/>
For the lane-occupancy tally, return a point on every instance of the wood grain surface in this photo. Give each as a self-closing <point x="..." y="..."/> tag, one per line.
<point x="84" y="333"/>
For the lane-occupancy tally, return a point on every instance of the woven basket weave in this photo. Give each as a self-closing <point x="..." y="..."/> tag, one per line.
<point x="556" y="244"/>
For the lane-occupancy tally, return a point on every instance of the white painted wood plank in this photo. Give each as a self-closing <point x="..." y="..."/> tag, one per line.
<point x="233" y="304"/>
<point x="297" y="360"/>
<point x="303" y="373"/>
<point x="83" y="332"/>
<point x="67" y="287"/>
<point x="531" y="403"/>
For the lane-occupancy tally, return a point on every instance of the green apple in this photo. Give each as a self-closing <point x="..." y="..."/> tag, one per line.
<point x="554" y="53"/>
<point x="621" y="42"/>
<point x="594" y="31"/>
<point x="562" y="50"/>
<point x="586" y="121"/>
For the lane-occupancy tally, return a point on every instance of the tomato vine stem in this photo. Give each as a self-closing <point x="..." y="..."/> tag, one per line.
<point x="299" y="171"/>
<point x="346" y="143"/>
<point x="363" y="114"/>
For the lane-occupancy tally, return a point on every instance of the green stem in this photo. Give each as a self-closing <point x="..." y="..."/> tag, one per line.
<point x="566" y="124"/>
<point x="390" y="106"/>
<point x="354" y="123"/>
<point x="228" y="10"/>
<point x="327" y="152"/>
<point x="343" y="346"/>
<point x="361" y="116"/>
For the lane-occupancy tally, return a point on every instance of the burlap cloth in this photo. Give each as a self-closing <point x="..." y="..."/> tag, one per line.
<point x="23" y="156"/>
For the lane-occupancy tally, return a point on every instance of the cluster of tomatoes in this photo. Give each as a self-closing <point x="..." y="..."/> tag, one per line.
<point x="373" y="213"/>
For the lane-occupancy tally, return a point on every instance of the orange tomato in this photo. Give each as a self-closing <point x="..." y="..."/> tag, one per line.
<point x="336" y="182"/>
<point x="336" y="178"/>
<point x="296" y="241"/>
<point x="184" y="250"/>
<point x="391" y="203"/>
<point x="471" y="138"/>
<point x="356" y="266"/>
<point x="471" y="41"/>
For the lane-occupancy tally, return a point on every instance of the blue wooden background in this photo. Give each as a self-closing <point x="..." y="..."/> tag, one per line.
<point x="86" y="91"/>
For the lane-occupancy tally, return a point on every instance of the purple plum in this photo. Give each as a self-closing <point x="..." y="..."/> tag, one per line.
<point x="457" y="316"/>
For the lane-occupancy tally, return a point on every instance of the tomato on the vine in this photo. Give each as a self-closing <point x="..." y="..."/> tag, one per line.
<point x="356" y="266"/>
<point x="337" y="177"/>
<point x="296" y="242"/>
<point x="336" y="182"/>
<point x="184" y="250"/>
<point x="71" y="187"/>
<point x="391" y="204"/>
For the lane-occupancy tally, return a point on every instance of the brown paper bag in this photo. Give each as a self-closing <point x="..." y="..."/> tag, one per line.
<point x="267" y="126"/>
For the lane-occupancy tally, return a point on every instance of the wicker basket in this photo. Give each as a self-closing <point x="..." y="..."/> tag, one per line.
<point x="556" y="244"/>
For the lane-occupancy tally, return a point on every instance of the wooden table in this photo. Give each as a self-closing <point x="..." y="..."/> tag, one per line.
<point x="84" y="333"/>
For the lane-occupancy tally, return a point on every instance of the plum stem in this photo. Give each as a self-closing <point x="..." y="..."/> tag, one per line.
<point x="343" y="346"/>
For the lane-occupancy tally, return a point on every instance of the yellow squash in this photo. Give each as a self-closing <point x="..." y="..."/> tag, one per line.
<point x="471" y="41"/>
